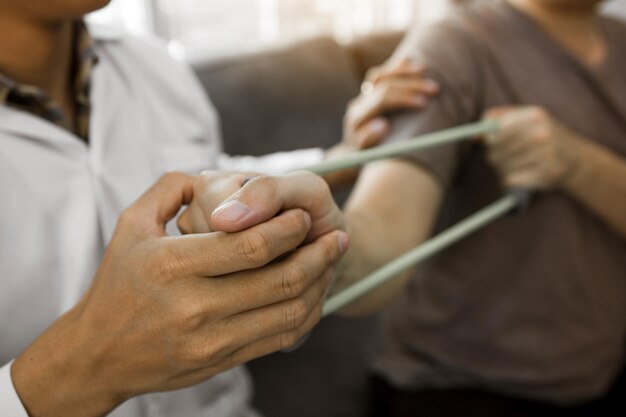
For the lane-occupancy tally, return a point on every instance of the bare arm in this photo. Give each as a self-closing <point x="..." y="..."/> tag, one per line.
<point x="599" y="183"/>
<point x="392" y="209"/>
<point x="534" y="150"/>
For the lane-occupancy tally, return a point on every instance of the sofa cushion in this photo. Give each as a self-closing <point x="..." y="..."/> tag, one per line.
<point x="281" y="100"/>
<point x="373" y="50"/>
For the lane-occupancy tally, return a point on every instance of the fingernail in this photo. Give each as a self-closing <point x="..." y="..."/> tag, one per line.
<point x="233" y="211"/>
<point x="344" y="242"/>
<point x="307" y="220"/>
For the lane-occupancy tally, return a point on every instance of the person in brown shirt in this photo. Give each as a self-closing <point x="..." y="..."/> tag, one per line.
<point x="528" y="314"/>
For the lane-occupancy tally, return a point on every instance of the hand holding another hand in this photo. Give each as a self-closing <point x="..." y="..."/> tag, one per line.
<point x="165" y="313"/>
<point x="390" y="87"/>
<point x="231" y="202"/>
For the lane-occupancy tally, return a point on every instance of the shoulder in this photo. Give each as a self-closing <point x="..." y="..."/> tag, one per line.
<point x="144" y="53"/>
<point x="468" y="34"/>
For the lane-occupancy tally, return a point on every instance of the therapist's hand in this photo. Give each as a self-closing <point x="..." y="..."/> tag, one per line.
<point x="165" y="313"/>
<point x="532" y="150"/>
<point x="390" y="87"/>
<point x="231" y="202"/>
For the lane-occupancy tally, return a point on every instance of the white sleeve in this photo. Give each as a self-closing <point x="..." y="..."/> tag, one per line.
<point x="10" y="403"/>
<point x="276" y="163"/>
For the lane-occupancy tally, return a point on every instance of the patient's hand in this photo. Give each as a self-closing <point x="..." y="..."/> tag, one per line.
<point x="231" y="202"/>
<point x="532" y="149"/>
<point x="391" y="87"/>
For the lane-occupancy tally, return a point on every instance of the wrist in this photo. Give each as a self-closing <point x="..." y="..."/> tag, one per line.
<point x="58" y="364"/>
<point x="580" y="157"/>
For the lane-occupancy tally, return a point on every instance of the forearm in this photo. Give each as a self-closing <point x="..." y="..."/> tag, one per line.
<point x="52" y="376"/>
<point x="598" y="181"/>
<point x="391" y="210"/>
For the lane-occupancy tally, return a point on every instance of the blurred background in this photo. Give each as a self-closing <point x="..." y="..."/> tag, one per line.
<point x="280" y="74"/>
<point x="200" y="29"/>
<point x="197" y="29"/>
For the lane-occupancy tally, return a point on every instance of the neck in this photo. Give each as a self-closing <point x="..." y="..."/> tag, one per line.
<point x="573" y="25"/>
<point x="37" y="54"/>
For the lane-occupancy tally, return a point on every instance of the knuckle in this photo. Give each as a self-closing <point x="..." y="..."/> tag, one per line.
<point x="320" y="188"/>
<point x="163" y="264"/>
<point x="266" y="182"/>
<point x="198" y="351"/>
<point x="189" y="316"/>
<point x="297" y="227"/>
<point x="330" y="252"/>
<point x="254" y="247"/>
<point x="297" y="314"/>
<point x="127" y="217"/>
<point x="171" y="177"/>
<point x="184" y="223"/>
<point x="292" y="282"/>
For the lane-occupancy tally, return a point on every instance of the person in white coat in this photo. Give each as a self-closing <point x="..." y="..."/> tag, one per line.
<point x="88" y="121"/>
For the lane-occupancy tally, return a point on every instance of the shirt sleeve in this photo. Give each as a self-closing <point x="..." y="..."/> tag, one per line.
<point x="452" y="58"/>
<point x="276" y="163"/>
<point x="10" y="403"/>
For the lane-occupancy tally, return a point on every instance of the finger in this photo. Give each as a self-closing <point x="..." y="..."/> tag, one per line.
<point x="525" y="179"/>
<point x="264" y="346"/>
<point x="523" y="155"/>
<point x="211" y="188"/>
<point x="279" y="318"/>
<point x="404" y="67"/>
<point x="370" y="134"/>
<point x="509" y="146"/>
<point x="262" y="197"/>
<point x="220" y="253"/>
<point x="284" y="280"/>
<point x="522" y="162"/>
<point x="151" y="212"/>
<point x="386" y="98"/>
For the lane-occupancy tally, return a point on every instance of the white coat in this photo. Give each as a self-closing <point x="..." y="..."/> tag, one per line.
<point x="59" y="201"/>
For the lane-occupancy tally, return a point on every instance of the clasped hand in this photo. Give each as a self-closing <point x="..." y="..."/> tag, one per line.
<point x="165" y="312"/>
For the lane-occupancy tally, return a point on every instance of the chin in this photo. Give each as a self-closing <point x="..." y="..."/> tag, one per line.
<point x="83" y="7"/>
<point x="72" y="9"/>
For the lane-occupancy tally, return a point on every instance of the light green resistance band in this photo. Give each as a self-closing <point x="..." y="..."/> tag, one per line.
<point x="430" y="140"/>
<point x="438" y="243"/>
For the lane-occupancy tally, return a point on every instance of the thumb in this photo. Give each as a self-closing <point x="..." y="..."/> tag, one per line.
<point x="263" y="197"/>
<point x="161" y="203"/>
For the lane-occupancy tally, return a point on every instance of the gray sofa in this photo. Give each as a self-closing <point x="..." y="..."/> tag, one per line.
<point x="289" y="99"/>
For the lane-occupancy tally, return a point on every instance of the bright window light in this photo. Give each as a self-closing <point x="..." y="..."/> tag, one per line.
<point x="200" y="29"/>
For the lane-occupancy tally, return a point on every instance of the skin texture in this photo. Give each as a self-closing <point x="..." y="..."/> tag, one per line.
<point x="202" y="303"/>
<point x="395" y="204"/>
<point x="533" y="150"/>
<point x="399" y="85"/>
<point x="44" y="29"/>
<point x="387" y="88"/>
<point x="374" y="240"/>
